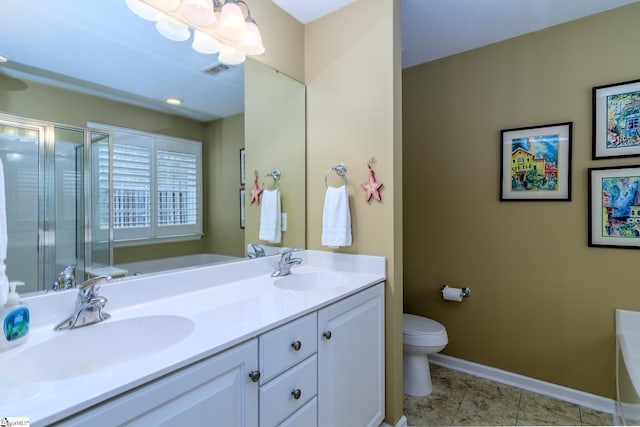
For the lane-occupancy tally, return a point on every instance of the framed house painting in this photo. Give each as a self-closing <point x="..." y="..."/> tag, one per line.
<point x="614" y="207"/>
<point x="536" y="163"/>
<point x="616" y="120"/>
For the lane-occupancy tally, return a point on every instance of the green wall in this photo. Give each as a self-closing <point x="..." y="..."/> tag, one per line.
<point x="225" y="138"/>
<point x="542" y="302"/>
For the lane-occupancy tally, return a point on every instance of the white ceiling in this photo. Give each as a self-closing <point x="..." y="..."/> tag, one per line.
<point x="307" y="11"/>
<point x="433" y="29"/>
<point x="102" y="48"/>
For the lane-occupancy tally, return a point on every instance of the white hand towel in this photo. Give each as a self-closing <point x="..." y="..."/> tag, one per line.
<point x="336" y="218"/>
<point x="4" y="282"/>
<point x="270" y="228"/>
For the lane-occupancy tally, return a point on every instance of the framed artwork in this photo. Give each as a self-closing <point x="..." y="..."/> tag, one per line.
<point x="242" y="166"/>
<point x="242" y="208"/>
<point x="536" y="163"/>
<point x="616" y="120"/>
<point x="614" y="207"/>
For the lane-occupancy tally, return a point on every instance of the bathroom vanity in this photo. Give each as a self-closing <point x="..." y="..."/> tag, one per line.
<point x="226" y="344"/>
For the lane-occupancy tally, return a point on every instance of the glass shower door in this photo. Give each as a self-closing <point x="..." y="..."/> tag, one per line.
<point x="57" y="205"/>
<point x="68" y="202"/>
<point x="20" y="148"/>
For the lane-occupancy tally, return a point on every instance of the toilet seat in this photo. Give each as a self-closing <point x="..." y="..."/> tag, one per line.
<point x="423" y="332"/>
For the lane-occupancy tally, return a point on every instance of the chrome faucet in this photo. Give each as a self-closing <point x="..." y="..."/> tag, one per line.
<point x="284" y="266"/>
<point x="66" y="278"/>
<point x="89" y="305"/>
<point x="258" y="251"/>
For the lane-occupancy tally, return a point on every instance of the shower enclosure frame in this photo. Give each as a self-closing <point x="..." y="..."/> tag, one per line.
<point x="46" y="216"/>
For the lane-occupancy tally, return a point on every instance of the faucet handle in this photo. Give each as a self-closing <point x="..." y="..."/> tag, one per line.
<point x="89" y="288"/>
<point x="66" y="279"/>
<point x="287" y="253"/>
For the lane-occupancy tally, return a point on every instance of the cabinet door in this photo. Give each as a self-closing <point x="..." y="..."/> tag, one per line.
<point x="214" y="392"/>
<point x="351" y="360"/>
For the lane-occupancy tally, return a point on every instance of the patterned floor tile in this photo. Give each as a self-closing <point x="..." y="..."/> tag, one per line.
<point x="482" y="411"/>
<point x="545" y="407"/>
<point x="590" y="417"/>
<point x="462" y="399"/>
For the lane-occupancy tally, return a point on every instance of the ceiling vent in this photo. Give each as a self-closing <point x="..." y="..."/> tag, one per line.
<point x="214" y="70"/>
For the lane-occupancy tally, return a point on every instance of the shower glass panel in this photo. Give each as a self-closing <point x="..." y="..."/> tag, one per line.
<point x="69" y="200"/>
<point x="20" y="146"/>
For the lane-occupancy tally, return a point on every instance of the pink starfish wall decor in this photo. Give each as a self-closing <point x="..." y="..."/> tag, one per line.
<point x="255" y="192"/>
<point x="372" y="186"/>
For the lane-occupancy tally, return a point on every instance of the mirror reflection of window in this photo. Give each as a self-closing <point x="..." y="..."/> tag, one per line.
<point x="157" y="183"/>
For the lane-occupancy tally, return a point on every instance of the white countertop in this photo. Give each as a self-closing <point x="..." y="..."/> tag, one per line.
<point x="227" y="303"/>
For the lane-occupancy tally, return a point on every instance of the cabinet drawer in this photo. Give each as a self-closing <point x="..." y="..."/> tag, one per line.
<point x="277" y="399"/>
<point x="307" y="416"/>
<point x="278" y="348"/>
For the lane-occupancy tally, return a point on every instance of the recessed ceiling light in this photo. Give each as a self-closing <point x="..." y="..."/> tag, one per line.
<point x="3" y="58"/>
<point x="173" y="101"/>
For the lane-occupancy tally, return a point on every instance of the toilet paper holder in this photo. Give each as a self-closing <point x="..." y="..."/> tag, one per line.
<point x="466" y="292"/>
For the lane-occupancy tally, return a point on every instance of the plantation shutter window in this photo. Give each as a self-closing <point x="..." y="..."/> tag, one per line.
<point x="157" y="187"/>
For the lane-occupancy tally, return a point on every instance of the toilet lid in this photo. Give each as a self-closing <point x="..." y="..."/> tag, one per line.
<point x="418" y="325"/>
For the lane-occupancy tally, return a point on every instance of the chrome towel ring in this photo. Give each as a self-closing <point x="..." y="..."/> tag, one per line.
<point x="275" y="174"/>
<point x="340" y="169"/>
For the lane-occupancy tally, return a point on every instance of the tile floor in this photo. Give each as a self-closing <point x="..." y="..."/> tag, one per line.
<point x="460" y="399"/>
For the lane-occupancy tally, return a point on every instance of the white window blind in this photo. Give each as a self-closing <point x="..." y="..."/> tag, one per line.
<point x="101" y="150"/>
<point x="157" y="182"/>
<point x="131" y="186"/>
<point x="177" y="188"/>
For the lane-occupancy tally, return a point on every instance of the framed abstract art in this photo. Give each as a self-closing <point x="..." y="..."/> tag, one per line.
<point x="614" y="207"/>
<point x="616" y="120"/>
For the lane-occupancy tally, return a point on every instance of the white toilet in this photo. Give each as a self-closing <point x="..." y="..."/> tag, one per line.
<point x="420" y="337"/>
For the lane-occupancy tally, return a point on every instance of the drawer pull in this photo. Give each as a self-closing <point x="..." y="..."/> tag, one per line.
<point x="327" y="334"/>
<point x="296" y="393"/>
<point x="297" y="345"/>
<point x="254" y="375"/>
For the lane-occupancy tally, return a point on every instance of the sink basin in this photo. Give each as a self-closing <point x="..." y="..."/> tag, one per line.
<point x="312" y="281"/>
<point x="80" y="351"/>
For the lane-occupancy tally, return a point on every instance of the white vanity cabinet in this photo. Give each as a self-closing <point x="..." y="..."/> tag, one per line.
<point x="216" y="391"/>
<point x="351" y="360"/>
<point x="325" y="368"/>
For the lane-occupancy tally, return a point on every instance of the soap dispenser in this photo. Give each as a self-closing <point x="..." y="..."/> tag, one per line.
<point x="15" y="319"/>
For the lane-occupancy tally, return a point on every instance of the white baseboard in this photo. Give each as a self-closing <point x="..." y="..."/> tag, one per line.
<point x="402" y="422"/>
<point x="578" y="397"/>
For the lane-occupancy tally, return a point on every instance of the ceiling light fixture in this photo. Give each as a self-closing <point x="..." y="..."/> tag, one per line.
<point x="3" y="58"/>
<point x="218" y="25"/>
<point x="173" y="101"/>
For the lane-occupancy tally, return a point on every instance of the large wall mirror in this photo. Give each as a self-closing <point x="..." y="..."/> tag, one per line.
<point x="72" y="64"/>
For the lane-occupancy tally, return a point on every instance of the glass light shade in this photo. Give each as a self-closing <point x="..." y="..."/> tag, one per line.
<point x="230" y="56"/>
<point x="143" y="10"/>
<point x="231" y="25"/>
<point x="251" y="43"/>
<point x="172" y="29"/>
<point x="168" y="5"/>
<point x="199" y="12"/>
<point x="204" y="43"/>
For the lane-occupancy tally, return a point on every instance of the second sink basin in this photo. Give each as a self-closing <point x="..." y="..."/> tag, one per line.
<point x="80" y="351"/>
<point x="312" y="281"/>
